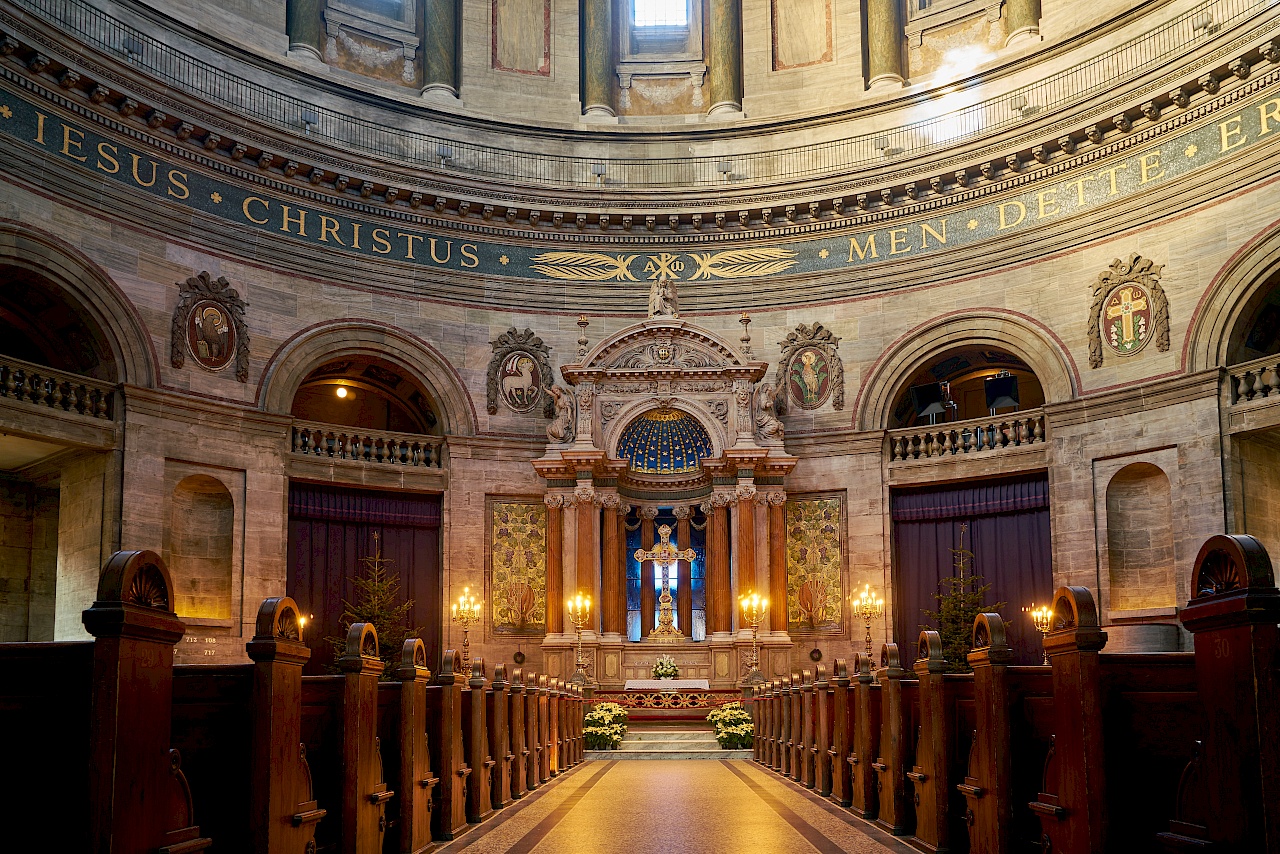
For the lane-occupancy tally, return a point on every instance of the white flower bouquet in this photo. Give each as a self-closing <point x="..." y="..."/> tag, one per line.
<point x="665" y="668"/>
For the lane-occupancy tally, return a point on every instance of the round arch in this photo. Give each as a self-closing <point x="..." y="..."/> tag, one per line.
<point x="91" y="290"/>
<point x="716" y="431"/>
<point x="304" y="352"/>
<point x="1229" y="297"/>
<point x="1018" y="334"/>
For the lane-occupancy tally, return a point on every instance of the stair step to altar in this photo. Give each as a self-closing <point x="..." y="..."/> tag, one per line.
<point x="717" y="753"/>
<point x="657" y="741"/>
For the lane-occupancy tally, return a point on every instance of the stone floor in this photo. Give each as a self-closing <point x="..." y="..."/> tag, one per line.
<point x="673" y="807"/>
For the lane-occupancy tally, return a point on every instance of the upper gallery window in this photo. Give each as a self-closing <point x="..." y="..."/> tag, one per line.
<point x="660" y="13"/>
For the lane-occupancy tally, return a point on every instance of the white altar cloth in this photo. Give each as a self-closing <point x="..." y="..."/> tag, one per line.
<point x="665" y="684"/>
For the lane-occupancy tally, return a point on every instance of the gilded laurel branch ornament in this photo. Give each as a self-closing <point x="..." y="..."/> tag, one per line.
<point x="810" y="370"/>
<point x="1129" y="309"/>
<point x="520" y="373"/>
<point x="208" y="324"/>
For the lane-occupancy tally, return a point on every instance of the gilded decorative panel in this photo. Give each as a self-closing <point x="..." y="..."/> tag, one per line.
<point x="518" y="566"/>
<point x="815" y="563"/>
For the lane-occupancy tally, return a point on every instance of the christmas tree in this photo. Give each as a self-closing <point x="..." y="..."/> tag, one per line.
<point x="377" y="595"/>
<point x="961" y="598"/>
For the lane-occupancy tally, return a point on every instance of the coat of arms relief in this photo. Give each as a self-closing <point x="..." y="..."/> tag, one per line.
<point x="1129" y="309"/>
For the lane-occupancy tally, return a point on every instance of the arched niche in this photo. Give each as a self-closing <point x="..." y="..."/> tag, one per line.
<point x="366" y="393"/>
<point x="59" y="309"/>
<point x="297" y="360"/>
<point x="966" y="369"/>
<point x="992" y="329"/>
<point x="664" y="440"/>
<point x="1141" y="560"/>
<point x="1232" y="305"/>
<point x="201" y="544"/>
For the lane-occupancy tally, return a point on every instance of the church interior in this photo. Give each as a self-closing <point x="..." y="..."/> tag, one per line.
<point x="410" y="410"/>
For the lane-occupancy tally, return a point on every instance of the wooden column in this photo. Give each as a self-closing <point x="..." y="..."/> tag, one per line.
<point x="648" y="597"/>
<point x="555" y="564"/>
<point x="613" y="589"/>
<point x="777" y="562"/>
<point x="621" y="568"/>
<point x="684" y="574"/>
<point x="587" y="569"/>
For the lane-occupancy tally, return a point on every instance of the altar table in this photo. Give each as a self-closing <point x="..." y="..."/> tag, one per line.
<point x="665" y="684"/>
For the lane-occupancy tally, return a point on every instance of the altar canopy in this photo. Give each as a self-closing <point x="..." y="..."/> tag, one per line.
<point x="1006" y="526"/>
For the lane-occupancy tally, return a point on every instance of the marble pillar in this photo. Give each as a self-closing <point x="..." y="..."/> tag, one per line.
<point x="439" y="54"/>
<point x="777" y="503"/>
<point x="555" y="564"/>
<point x="719" y="604"/>
<point x="648" y="597"/>
<point x="724" y="56"/>
<point x="597" y="60"/>
<point x="1022" y="21"/>
<point x="587" y="568"/>
<point x="884" y="44"/>
<point x="613" y="580"/>
<point x="744" y="543"/>
<point x="304" y="25"/>
<point x="684" y="574"/>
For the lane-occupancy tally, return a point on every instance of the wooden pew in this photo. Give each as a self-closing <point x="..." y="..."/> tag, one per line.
<point x="534" y="728"/>
<point x="497" y="709"/>
<point x="944" y="732"/>
<point x="823" y="698"/>
<point x="545" y="749"/>
<point x="838" y="751"/>
<point x="864" y="743"/>
<point x="412" y="759"/>
<point x="339" y="728"/>
<point x="795" y="745"/>
<point x="807" y="734"/>
<point x="444" y="741"/>
<point x="555" y="744"/>
<point x="1229" y="792"/>
<point x="519" y="745"/>
<point x="475" y="744"/>
<point x="898" y="714"/>
<point x="1014" y="717"/>
<point x="784" y="736"/>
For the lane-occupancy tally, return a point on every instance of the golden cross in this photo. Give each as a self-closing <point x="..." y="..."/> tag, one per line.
<point x="1128" y="305"/>
<point x="665" y="553"/>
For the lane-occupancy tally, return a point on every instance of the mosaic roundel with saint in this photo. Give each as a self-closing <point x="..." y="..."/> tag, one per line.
<point x="211" y="335"/>
<point x="809" y="378"/>
<point x="1127" y="319"/>
<point x="520" y="382"/>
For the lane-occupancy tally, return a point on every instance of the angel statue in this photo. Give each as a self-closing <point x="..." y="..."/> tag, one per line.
<point x="662" y="298"/>
<point x="767" y="423"/>
<point x="560" y="430"/>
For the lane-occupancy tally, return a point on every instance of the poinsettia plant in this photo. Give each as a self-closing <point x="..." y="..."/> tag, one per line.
<point x="604" y="725"/>
<point x="733" y="726"/>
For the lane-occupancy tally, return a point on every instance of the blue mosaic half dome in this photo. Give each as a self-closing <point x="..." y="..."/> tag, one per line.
<point x="664" y="441"/>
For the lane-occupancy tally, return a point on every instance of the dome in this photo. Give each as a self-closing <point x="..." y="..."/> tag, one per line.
<point x="664" y="441"/>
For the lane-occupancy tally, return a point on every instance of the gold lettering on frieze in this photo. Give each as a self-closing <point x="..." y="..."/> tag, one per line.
<point x="898" y="244"/>
<point x="178" y="185"/>
<point x="863" y="250"/>
<point x="286" y="220"/>
<point x="138" y="178"/>
<point x="381" y="243"/>
<point x="1004" y="220"/>
<point x="68" y="142"/>
<point x="1149" y="164"/>
<point x="1268" y="113"/>
<point x="1231" y="134"/>
<point x="927" y="231"/>
<point x="1111" y="174"/>
<point x="329" y="228"/>
<point x="1047" y="202"/>
<point x="245" y="207"/>
<point x="103" y="148"/>
<point x="470" y="259"/>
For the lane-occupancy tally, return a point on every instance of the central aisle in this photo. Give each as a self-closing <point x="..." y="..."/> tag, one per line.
<point x="673" y="807"/>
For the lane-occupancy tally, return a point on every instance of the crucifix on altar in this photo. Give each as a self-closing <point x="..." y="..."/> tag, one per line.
<point x="665" y="556"/>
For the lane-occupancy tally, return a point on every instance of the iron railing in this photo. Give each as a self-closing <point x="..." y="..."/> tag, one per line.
<point x="953" y="122"/>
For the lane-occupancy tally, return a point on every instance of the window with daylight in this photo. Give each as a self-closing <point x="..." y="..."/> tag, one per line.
<point x="660" y="13"/>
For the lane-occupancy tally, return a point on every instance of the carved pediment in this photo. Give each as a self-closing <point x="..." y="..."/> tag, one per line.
<point x="663" y="346"/>
<point x="666" y="354"/>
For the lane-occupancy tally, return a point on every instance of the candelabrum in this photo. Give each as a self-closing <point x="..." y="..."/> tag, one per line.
<point x="1042" y="617"/>
<point x="465" y="612"/>
<point x="753" y="611"/>
<point x="580" y="615"/>
<point x="867" y="606"/>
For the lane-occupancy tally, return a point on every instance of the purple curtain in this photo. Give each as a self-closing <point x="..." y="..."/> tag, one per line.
<point x="1008" y="533"/>
<point x="331" y="529"/>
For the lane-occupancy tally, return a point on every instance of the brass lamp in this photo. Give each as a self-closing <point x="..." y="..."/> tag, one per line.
<point x="1042" y="617"/>
<point x="867" y="606"/>
<point x="580" y="615"/>
<point x="466" y="612"/>
<point x="753" y="611"/>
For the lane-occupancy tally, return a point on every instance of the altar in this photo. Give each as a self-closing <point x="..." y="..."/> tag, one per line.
<point x="666" y="684"/>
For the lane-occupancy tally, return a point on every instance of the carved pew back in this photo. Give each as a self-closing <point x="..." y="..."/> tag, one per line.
<point x="496" y="711"/>
<point x="475" y="744"/>
<point x="823" y="698"/>
<point x="444" y="742"/>
<point x="840" y="734"/>
<point x="944" y="736"/>
<point x="519" y="744"/>
<point x="899" y="713"/>
<point x="533" y="727"/>
<point x="864" y="745"/>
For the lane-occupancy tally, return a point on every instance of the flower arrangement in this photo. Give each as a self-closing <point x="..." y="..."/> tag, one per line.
<point x="604" y="725"/>
<point x="665" y="668"/>
<point x="733" y="726"/>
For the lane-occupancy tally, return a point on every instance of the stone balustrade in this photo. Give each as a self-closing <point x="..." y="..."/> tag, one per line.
<point x="41" y="386"/>
<point x="1254" y="380"/>
<point x="976" y="435"/>
<point x="336" y="442"/>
